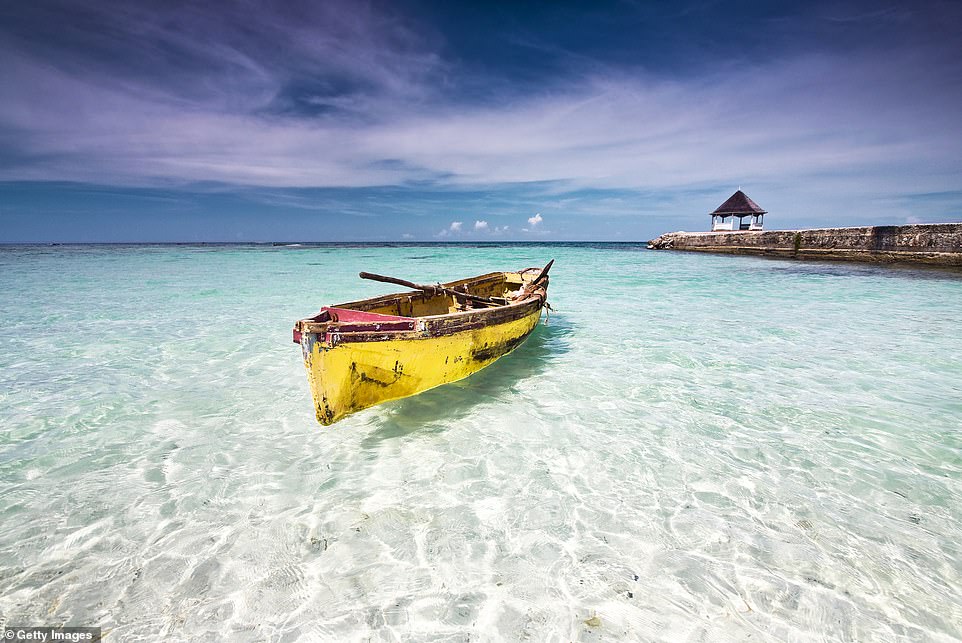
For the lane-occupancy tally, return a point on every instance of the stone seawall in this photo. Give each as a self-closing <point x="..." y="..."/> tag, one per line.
<point x="930" y="243"/>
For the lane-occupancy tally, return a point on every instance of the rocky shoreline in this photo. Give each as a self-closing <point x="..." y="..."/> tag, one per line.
<point x="932" y="243"/>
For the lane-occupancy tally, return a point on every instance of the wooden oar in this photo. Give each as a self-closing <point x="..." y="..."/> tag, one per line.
<point x="431" y="289"/>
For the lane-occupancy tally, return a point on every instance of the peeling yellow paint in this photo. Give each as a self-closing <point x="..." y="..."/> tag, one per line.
<point x="348" y="377"/>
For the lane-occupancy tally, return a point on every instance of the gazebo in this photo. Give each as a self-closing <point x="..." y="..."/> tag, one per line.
<point x="737" y="206"/>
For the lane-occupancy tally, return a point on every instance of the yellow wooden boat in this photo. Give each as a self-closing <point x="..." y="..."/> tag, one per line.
<point x="366" y="352"/>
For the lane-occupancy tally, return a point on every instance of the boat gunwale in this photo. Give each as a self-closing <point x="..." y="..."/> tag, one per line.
<point x="428" y="326"/>
<point x="385" y="298"/>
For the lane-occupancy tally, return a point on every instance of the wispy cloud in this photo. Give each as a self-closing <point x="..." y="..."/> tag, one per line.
<point x="332" y="95"/>
<point x="616" y="132"/>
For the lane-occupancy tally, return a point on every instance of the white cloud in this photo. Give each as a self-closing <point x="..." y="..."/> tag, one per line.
<point x="454" y="228"/>
<point x="480" y="225"/>
<point x="407" y="235"/>
<point x="535" y="220"/>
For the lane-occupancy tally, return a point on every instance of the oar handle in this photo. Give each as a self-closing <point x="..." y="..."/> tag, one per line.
<point x="395" y="280"/>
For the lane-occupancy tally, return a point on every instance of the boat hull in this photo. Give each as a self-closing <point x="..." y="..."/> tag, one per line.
<point x="348" y="376"/>
<point x="366" y="352"/>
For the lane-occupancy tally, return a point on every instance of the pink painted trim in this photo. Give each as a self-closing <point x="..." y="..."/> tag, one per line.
<point x="346" y="315"/>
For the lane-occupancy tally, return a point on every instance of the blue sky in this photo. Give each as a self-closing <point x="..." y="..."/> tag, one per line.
<point x="330" y="121"/>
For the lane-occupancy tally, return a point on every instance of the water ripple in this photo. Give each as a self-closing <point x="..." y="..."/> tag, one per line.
<point x="772" y="455"/>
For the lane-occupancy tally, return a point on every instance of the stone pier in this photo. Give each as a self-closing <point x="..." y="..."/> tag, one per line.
<point x="929" y="243"/>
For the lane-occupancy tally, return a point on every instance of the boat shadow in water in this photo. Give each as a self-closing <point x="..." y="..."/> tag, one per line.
<point x="436" y="409"/>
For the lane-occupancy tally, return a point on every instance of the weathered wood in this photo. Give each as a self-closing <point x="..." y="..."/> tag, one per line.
<point x="438" y="288"/>
<point x="543" y="274"/>
<point x="432" y="326"/>
<point x="533" y="285"/>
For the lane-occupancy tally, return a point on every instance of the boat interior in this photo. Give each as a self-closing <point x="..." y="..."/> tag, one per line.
<point x="500" y="286"/>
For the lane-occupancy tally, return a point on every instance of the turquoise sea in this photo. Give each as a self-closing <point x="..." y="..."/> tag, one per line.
<point x="694" y="448"/>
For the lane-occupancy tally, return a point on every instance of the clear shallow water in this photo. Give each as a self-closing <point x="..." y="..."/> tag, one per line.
<point x="695" y="447"/>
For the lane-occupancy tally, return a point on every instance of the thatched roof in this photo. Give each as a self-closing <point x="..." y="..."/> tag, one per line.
<point x="738" y="203"/>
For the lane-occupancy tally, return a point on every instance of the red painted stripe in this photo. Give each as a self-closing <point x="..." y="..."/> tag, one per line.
<point x="360" y="316"/>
